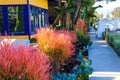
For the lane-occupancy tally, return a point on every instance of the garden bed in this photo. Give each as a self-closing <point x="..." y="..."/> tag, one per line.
<point x="52" y="55"/>
<point x="113" y="40"/>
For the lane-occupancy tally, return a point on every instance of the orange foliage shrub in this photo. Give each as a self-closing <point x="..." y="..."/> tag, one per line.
<point x="56" y="43"/>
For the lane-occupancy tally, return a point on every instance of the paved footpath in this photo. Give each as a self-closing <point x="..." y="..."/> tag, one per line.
<point x="105" y="62"/>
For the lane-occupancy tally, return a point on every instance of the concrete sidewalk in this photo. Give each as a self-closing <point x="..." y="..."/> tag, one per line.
<point x="105" y="62"/>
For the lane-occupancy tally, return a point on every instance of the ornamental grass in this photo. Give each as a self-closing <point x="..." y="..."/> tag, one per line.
<point x="57" y="44"/>
<point x="18" y="62"/>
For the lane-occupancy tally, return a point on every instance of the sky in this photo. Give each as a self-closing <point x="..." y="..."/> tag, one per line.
<point x="107" y="8"/>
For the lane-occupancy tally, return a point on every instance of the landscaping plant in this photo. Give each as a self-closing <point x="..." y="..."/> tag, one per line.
<point x="79" y="72"/>
<point x="57" y="44"/>
<point x="113" y="40"/>
<point x="83" y="40"/>
<point x="18" y="62"/>
<point x="80" y="25"/>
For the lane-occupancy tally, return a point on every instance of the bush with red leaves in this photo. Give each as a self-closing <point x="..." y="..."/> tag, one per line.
<point x="18" y="62"/>
<point x="80" y="25"/>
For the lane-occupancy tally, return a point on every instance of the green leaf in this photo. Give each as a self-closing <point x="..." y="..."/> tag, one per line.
<point x="57" y="9"/>
<point x="69" y="9"/>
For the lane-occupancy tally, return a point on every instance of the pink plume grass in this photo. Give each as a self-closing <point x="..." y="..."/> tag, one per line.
<point x="18" y="62"/>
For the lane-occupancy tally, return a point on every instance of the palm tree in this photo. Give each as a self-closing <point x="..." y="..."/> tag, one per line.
<point x="71" y="10"/>
<point x="65" y="12"/>
<point x="79" y="2"/>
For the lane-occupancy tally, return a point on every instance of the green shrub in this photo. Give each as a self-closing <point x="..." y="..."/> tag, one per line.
<point x="33" y="40"/>
<point x="116" y="45"/>
<point x="103" y="35"/>
<point x="110" y="37"/>
<point x="114" y="40"/>
<point x="83" y="39"/>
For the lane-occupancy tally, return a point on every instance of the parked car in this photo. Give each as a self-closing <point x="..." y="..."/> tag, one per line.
<point x="117" y="31"/>
<point x="110" y="27"/>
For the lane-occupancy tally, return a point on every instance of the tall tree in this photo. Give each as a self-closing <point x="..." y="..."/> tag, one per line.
<point x="116" y="12"/>
<point x="79" y="2"/>
<point x="71" y="10"/>
<point x="65" y="11"/>
<point x="87" y="10"/>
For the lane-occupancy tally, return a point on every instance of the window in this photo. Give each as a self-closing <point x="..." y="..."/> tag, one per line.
<point x="0" y="9"/>
<point x="16" y="22"/>
<point x="16" y="18"/>
<point x="43" y="18"/>
<point x="34" y="17"/>
<point x="15" y="9"/>
<point x="46" y="17"/>
<point x="40" y="16"/>
<point x="37" y="17"/>
<point x="1" y="22"/>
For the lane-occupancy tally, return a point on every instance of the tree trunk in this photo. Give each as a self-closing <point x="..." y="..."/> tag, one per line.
<point x="68" y="19"/>
<point x="60" y="22"/>
<point x="77" y="11"/>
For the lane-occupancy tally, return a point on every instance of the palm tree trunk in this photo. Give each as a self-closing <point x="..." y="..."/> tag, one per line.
<point x="68" y="20"/>
<point x="77" y="11"/>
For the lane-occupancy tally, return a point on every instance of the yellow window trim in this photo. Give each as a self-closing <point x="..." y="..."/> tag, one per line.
<point x="25" y="37"/>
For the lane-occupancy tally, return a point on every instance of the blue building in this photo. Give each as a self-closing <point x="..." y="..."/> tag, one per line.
<point x="20" y="18"/>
